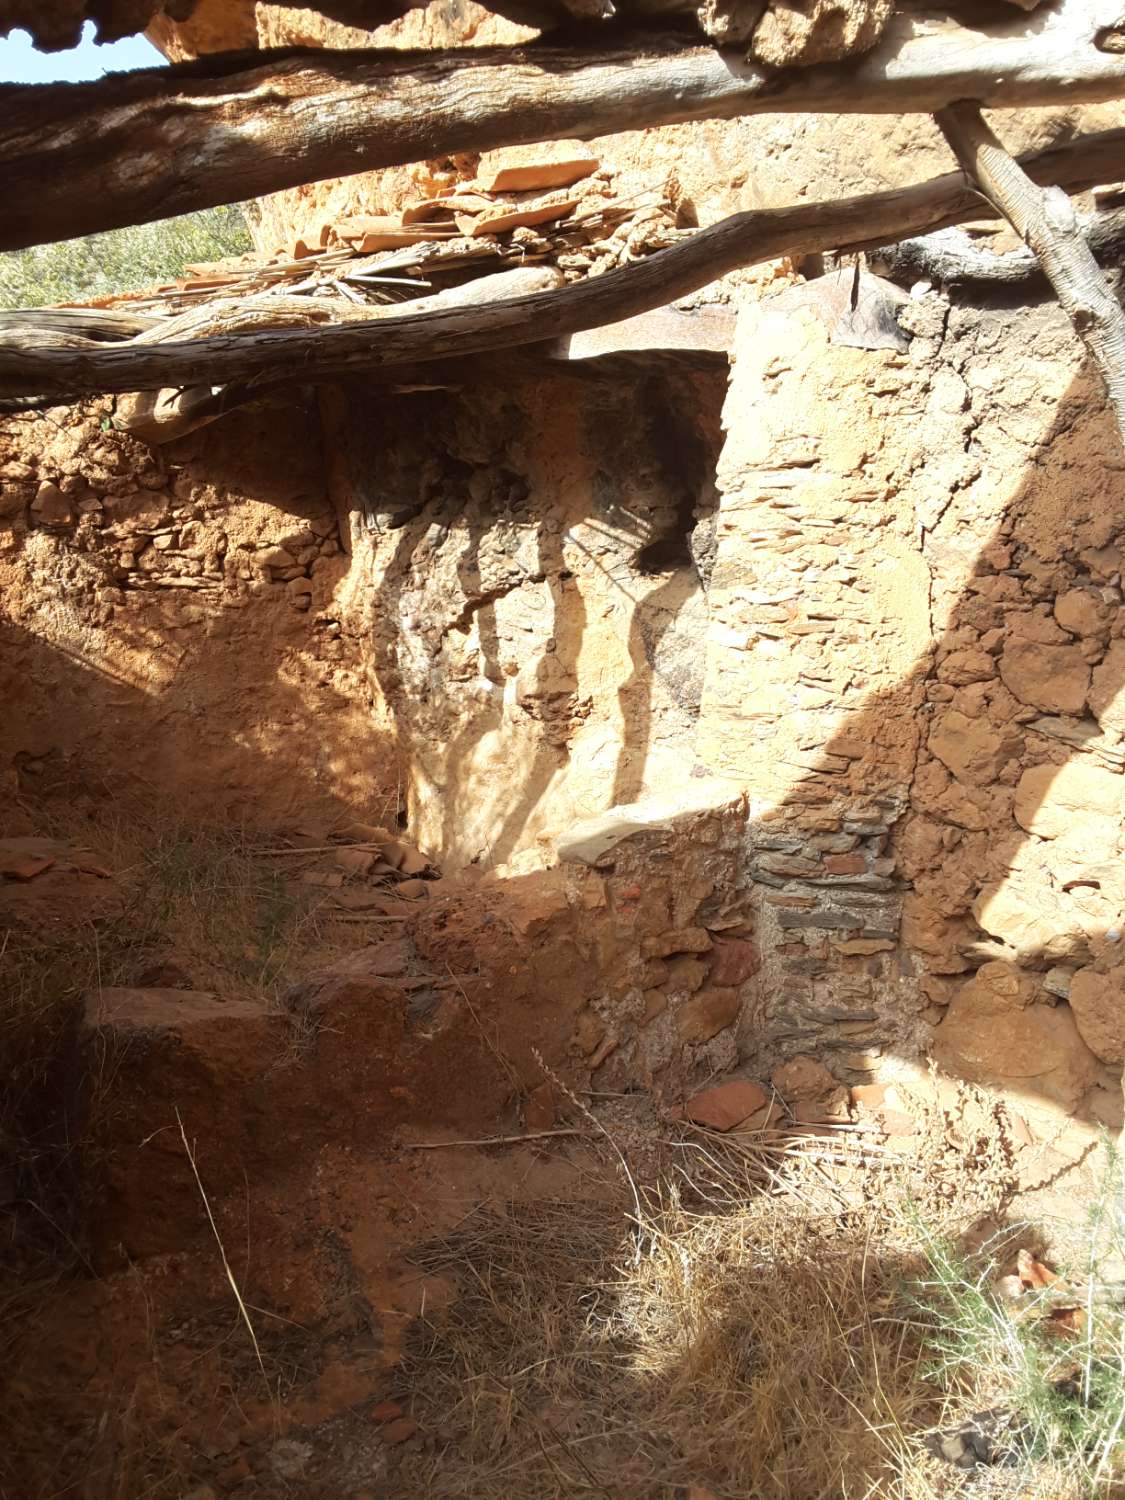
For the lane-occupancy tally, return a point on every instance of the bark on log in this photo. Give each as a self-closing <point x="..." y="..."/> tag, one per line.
<point x="951" y="258"/>
<point x="127" y="149"/>
<point x="162" y="416"/>
<point x="1045" y="219"/>
<point x="845" y="224"/>
<point x="90" y="324"/>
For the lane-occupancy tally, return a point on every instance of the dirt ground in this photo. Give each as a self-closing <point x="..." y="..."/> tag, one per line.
<point x="305" y="1200"/>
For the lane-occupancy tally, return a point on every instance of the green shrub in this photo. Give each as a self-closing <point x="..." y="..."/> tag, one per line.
<point x="120" y="260"/>
<point x="1057" y="1387"/>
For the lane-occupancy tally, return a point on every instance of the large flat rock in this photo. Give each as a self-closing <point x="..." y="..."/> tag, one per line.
<point x="164" y="1010"/>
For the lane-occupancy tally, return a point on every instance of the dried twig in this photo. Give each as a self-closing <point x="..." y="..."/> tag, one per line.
<point x="222" y="1253"/>
<point x="640" y="1220"/>
<point x="318" y="848"/>
<point x="493" y="1140"/>
<point x="1045" y="219"/>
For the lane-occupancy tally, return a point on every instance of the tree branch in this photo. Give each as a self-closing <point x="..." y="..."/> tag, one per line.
<point x="845" y="224"/>
<point x="130" y="148"/>
<point x="950" y="257"/>
<point x="1046" y="221"/>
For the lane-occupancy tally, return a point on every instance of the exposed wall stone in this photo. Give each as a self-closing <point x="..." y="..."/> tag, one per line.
<point x="799" y="35"/>
<point x="527" y="570"/>
<point x="168" y="620"/>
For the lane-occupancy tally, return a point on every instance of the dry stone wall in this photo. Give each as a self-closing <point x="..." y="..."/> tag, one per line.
<point x="881" y="758"/>
<point x="809" y="687"/>
<point x="167" y="624"/>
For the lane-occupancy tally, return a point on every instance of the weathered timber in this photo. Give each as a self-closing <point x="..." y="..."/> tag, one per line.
<point x="951" y="258"/>
<point x="449" y="333"/>
<point x="88" y="324"/>
<point x="1045" y="220"/>
<point x="130" y="148"/>
<point x="161" y="416"/>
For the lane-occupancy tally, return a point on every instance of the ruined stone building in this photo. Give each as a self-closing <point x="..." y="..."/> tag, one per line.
<point x="753" y="674"/>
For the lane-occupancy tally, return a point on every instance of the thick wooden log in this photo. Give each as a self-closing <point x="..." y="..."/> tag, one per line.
<point x="130" y="148"/>
<point x="97" y="325"/>
<point x="448" y="333"/>
<point x="162" y="416"/>
<point x="1045" y="220"/>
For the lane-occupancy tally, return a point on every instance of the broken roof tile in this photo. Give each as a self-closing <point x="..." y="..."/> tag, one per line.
<point x="551" y="164"/>
<point x="516" y="215"/>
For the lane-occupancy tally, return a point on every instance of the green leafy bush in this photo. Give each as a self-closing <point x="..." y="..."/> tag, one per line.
<point x="121" y="260"/>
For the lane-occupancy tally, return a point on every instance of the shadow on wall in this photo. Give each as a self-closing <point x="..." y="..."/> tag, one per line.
<point x="976" y="793"/>
<point x="516" y="550"/>
<point x="168" y="629"/>
<point x="943" y="855"/>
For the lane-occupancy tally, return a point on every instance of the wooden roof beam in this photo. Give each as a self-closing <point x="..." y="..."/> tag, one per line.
<point x="131" y="148"/>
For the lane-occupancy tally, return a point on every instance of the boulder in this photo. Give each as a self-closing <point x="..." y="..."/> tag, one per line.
<point x="726" y="1106"/>
<point x="810" y="1090"/>
<point x="1098" y="1003"/>
<point x="685" y="940"/>
<point x="1035" y="921"/>
<point x="707" y="1013"/>
<point x="819" y="31"/>
<point x="1082" y="612"/>
<point x="1053" y="678"/>
<point x="734" y="961"/>
<point x="973" y="749"/>
<point x="51" y="506"/>
<point x="962" y="667"/>
<point x="1052" y="801"/>
<point x="997" y="1032"/>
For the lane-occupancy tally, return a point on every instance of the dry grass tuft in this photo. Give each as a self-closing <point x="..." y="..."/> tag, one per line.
<point x="747" y="1317"/>
<point x="187" y="906"/>
<point x="766" y="1331"/>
